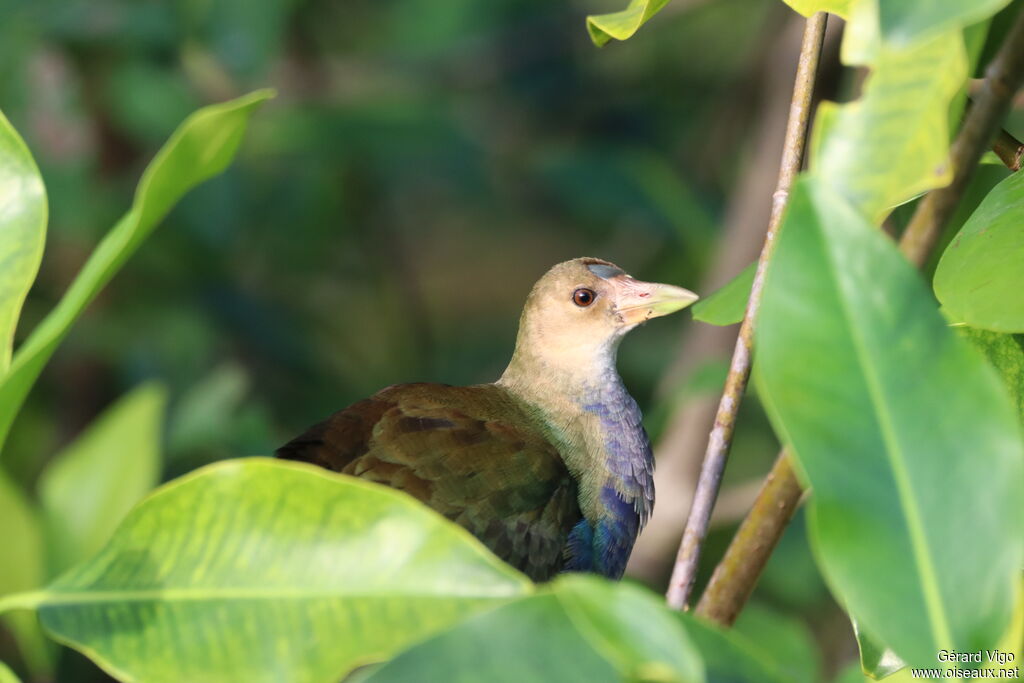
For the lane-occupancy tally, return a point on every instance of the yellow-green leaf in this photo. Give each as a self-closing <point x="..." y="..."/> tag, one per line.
<point x="623" y="24"/>
<point x="22" y="569"/>
<point x="892" y="144"/>
<point x="200" y="148"/>
<point x="264" y="570"/>
<point x="22" y="231"/>
<point x="89" y="487"/>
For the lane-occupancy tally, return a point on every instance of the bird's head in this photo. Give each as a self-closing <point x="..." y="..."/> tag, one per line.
<point x="580" y="309"/>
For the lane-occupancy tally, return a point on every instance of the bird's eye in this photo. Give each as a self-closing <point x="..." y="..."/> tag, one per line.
<point x="583" y="297"/>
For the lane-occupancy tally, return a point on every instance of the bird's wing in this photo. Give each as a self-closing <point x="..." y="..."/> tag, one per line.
<point x="471" y="453"/>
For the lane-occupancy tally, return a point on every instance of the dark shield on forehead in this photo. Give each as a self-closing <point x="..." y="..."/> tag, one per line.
<point x="604" y="271"/>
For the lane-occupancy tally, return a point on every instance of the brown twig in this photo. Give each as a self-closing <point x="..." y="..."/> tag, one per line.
<point x="680" y="448"/>
<point x="1009" y="150"/>
<point x="1002" y="79"/>
<point x="685" y="570"/>
<point x="736" y="575"/>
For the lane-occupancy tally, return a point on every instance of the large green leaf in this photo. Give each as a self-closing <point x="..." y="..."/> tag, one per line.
<point x="631" y="627"/>
<point x="980" y="276"/>
<point x="729" y="656"/>
<point x="583" y="629"/>
<point x="90" y="486"/>
<point x="22" y="569"/>
<point x="902" y="431"/>
<point x="200" y="148"/>
<point x="22" y="231"/>
<point x="727" y="305"/>
<point x="261" y="570"/>
<point x="781" y="639"/>
<point x="892" y="143"/>
<point x="623" y="24"/>
<point x="529" y="640"/>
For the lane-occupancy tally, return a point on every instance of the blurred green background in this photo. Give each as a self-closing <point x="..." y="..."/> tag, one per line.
<point x="423" y="164"/>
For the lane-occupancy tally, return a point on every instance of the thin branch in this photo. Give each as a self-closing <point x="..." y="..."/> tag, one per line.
<point x="736" y="575"/>
<point x="680" y="448"/>
<point x="1002" y="79"/>
<point x="685" y="569"/>
<point x="1009" y="150"/>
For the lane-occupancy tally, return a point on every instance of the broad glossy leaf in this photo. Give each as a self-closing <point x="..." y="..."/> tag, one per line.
<point x="22" y="569"/>
<point x="89" y="487"/>
<point x="200" y="148"/>
<point x="623" y="24"/>
<point x="528" y="640"/>
<point x="631" y="627"/>
<point x="22" y="231"/>
<point x="781" y="639"/>
<point x="261" y="570"/>
<point x="727" y="305"/>
<point x="729" y="656"/>
<point x="581" y="629"/>
<point x="902" y="431"/>
<point x="980" y="277"/>
<point x="892" y="143"/>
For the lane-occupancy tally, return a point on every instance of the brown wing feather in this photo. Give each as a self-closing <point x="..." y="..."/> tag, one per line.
<point x="471" y="453"/>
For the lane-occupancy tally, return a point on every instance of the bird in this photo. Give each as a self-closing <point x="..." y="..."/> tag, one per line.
<point x="549" y="466"/>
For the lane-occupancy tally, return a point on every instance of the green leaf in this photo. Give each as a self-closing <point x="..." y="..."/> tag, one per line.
<point x="781" y="639"/>
<point x="729" y="657"/>
<point x="876" y="661"/>
<point x="22" y="569"/>
<point x="727" y="305"/>
<point x="582" y="628"/>
<point x="979" y="277"/>
<point x="903" y="23"/>
<point x="89" y="487"/>
<point x="200" y="148"/>
<point x="1005" y="352"/>
<point x="892" y="143"/>
<point x="528" y="640"/>
<point x="623" y="24"/>
<point x="22" y="231"/>
<point x="6" y="675"/>
<point x="900" y="429"/>
<point x="261" y="570"/>
<point x="631" y="627"/>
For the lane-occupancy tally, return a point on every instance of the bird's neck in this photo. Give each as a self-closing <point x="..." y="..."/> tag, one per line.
<point x="596" y="425"/>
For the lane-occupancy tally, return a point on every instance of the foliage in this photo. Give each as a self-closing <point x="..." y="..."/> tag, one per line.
<point x="261" y="570"/>
<point x="199" y="149"/>
<point x="241" y="571"/>
<point x="727" y="305"/>
<point x="846" y="320"/>
<point x="87" y="489"/>
<point x="23" y="207"/>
